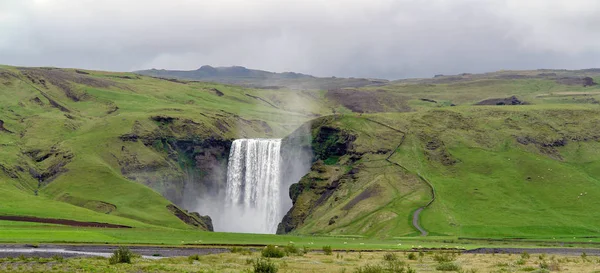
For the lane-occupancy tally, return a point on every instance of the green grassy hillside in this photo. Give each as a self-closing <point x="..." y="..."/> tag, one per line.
<point x="122" y="148"/>
<point x="497" y="172"/>
<point x="82" y="145"/>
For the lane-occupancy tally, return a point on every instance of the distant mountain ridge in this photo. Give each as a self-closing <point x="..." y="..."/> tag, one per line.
<point x="240" y="75"/>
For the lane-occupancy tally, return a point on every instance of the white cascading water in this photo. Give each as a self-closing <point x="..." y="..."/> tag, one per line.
<point x="252" y="194"/>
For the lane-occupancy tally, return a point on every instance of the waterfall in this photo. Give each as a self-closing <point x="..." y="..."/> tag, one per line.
<point x="252" y="196"/>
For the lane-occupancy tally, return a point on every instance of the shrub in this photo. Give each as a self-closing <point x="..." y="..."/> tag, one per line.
<point x="395" y="266"/>
<point x="553" y="266"/>
<point x="194" y="257"/>
<point x="444" y="257"/>
<point x="525" y="255"/>
<point x="264" y="266"/>
<point x="292" y="249"/>
<point x="58" y="258"/>
<point x="447" y="266"/>
<point x="272" y="251"/>
<point x="412" y="256"/>
<point x="327" y="250"/>
<point x="521" y="262"/>
<point x="240" y="250"/>
<point x="121" y="255"/>
<point x="236" y="249"/>
<point x="370" y="268"/>
<point x="390" y="257"/>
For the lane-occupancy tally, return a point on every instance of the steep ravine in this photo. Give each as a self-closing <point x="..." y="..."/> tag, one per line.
<point x="181" y="168"/>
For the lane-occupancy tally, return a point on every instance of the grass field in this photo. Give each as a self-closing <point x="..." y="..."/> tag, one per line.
<point x="319" y="262"/>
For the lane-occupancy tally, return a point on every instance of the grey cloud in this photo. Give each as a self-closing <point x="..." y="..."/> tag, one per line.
<point x="366" y="38"/>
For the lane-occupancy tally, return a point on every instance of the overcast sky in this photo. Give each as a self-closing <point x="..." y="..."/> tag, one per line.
<point x="362" y="38"/>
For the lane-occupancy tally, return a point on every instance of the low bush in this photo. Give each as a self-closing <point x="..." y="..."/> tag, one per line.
<point x="236" y="249"/>
<point x="395" y="266"/>
<point x="264" y="266"/>
<point x="121" y="255"/>
<point x="291" y="249"/>
<point x="370" y="268"/>
<point x="390" y="256"/>
<point x="327" y="250"/>
<point x="305" y="249"/>
<point x="444" y="257"/>
<point x="272" y="251"/>
<point x="193" y="258"/>
<point x="412" y="256"/>
<point x="447" y="266"/>
<point x="58" y="258"/>
<point x="552" y="266"/>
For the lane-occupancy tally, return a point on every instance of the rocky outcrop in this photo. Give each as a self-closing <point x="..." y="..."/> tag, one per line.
<point x="314" y="188"/>
<point x="505" y="101"/>
<point x="436" y="151"/>
<point x="192" y="166"/>
<point x="192" y="219"/>
<point x="2" y="129"/>
<point x="581" y="81"/>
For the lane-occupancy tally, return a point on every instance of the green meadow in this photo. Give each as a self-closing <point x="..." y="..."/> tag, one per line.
<point x="95" y="146"/>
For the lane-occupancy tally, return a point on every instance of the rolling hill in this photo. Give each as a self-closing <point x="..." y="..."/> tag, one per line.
<point x="239" y="75"/>
<point x="509" y="153"/>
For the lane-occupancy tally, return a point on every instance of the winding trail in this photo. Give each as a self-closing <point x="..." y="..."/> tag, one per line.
<point x="417" y="213"/>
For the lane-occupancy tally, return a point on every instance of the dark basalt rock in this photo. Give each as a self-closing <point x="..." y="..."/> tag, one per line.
<point x="192" y="219"/>
<point x="505" y="101"/>
<point x="2" y="129"/>
<point x="326" y="142"/>
<point x="163" y="119"/>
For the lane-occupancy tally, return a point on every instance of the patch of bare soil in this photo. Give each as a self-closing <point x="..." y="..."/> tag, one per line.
<point x="369" y="101"/>
<point x="503" y="101"/>
<point x="585" y="81"/>
<point x="60" y="222"/>
<point x="366" y="194"/>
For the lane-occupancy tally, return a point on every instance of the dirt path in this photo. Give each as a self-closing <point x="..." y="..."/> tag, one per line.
<point x="415" y="221"/>
<point x="60" y="222"/>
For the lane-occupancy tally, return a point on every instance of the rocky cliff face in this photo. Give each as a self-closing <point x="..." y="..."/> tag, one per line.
<point x="305" y="155"/>
<point x="187" y="166"/>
